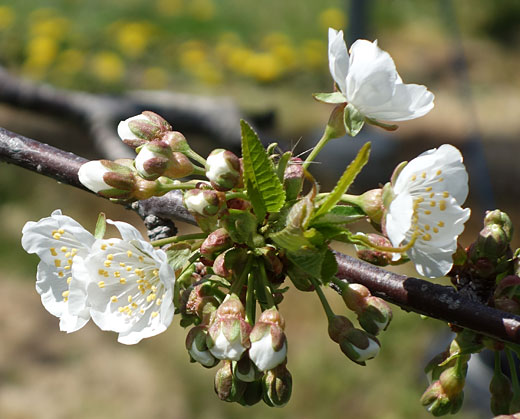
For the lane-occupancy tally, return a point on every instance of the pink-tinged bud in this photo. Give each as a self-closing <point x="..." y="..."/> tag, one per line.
<point x="501" y="393"/>
<point x="375" y="316"/>
<point x="507" y="286"/>
<point x="338" y="327"/>
<point x="228" y="333"/>
<point x="272" y="262"/>
<point x="377" y="257"/>
<point x="371" y="202"/>
<point x="201" y="302"/>
<point x="216" y="242"/>
<point x="179" y="166"/>
<point x="153" y="159"/>
<point x="145" y="189"/>
<point x="359" y="346"/>
<point x="435" y="400"/>
<point x="227" y="386"/>
<point x="354" y="296"/>
<point x="268" y="341"/>
<point x="223" y="169"/>
<point x="452" y="381"/>
<point x="205" y="203"/>
<point x="277" y="385"/>
<point x="238" y="204"/>
<point x="135" y="131"/>
<point x="293" y="178"/>
<point x="197" y="348"/>
<point x="230" y="263"/>
<point x="108" y="179"/>
<point x="176" y="141"/>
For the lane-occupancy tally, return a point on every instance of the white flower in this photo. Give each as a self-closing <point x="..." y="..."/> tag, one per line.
<point x="62" y="244"/>
<point x="130" y="288"/>
<point x="368" y="80"/>
<point x="427" y="198"/>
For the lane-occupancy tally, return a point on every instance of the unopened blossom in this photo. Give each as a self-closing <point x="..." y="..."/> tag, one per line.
<point x="424" y="206"/>
<point x="107" y="178"/>
<point x="268" y="341"/>
<point x="223" y="169"/>
<point x="62" y="244"/>
<point x="138" y="129"/>
<point x="130" y="288"/>
<point x="368" y="80"/>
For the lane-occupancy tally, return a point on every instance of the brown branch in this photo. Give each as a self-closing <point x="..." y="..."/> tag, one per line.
<point x="411" y="294"/>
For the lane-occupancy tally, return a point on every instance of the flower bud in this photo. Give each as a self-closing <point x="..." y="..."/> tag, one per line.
<point x="273" y="264"/>
<point x="359" y="346"/>
<point x="245" y="370"/>
<point x="268" y="341"/>
<point x="354" y="296"/>
<point x="179" y="166"/>
<point x="227" y="386"/>
<point x="502" y="219"/>
<point x="216" y="242"/>
<point x="293" y="178"/>
<point x="376" y="257"/>
<point x="230" y="263"/>
<point x="375" y="316"/>
<point x="223" y="169"/>
<point x="228" y="333"/>
<point x="201" y="302"/>
<point x="452" y="381"/>
<point x="338" y="327"/>
<point x="492" y="242"/>
<point x="252" y="394"/>
<point x="139" y="129"/>
<point x="198" y="349"/>
<point x="108" y="179"/>
<point x="204" y="203"/>
<point x="436" y="400"/>
<point x="277" y="386"/>
<point x="501" y="393"/>
<point x="153" y="159"/>
<point x="176" y="140"/>
<point x="371" y="202"/>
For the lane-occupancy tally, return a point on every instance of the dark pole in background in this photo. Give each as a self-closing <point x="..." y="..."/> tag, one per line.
<point x="358" y="18"/>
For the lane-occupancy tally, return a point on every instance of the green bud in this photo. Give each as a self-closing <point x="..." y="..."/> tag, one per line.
<point x="176" y="141"/>
<point x="501" y="219"/>
<point x="355" y="296"/>
<point x="501" y="393"/>
<point x="216" y="242"/>
<point x="252" y="394"/>
<point x="204" y="203"/>
<point x="277" y="386"/>
<point x="375" y="316"/>
<point x="198" y="349"/>
<point x="452" y="381"/>
<point x="293" y="178"/>
<point x="359" y="346"/>
<point x="227" y="386"/>
<point x="371" y="202"/>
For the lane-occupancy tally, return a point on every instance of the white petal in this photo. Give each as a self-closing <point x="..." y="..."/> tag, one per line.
<point x="371" y="78"/>
<point x="431" y="262"/>
<point x="399" y="218"/>
<point x="91" y="175"/>
<point x="203" y="357"/>
<point x="223" y="349"/>
<point x="263" y="354"/>
<point x="123" y="130"/>
<point x="369" y="352"/>
<point x="338" y="58"/>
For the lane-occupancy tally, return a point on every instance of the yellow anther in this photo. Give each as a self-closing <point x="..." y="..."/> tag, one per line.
<point x="423" y="175"/>
<point x="154" y="288"/>
<point x="69" y="280"/>
<point x="442" y="205"/>
<point x="53" y="251"/>
<point x="68" y="255"/>
<point x="104" y="246"/>
<point x="158" y="302"/>
<point x="428" y="189"/>
<point x="110" y="256"/>
<point x="130" y="298"/>
<point x="427" y="237"/>
<point x="101" y="271"/>
<point x="154" y="314"/>
<point x="441" y="179"/>
<point x="413" y="178"/>
<point x="141" y="311"/>
<point x="122" y="264"/>
<point x="427" y="212"/>
<point x="141" y="288"/>
<point x="110" y="244"/>
<point x="74" y="251"/>
<point x="138" y="271"/>
<point x="155" y="272"/>
<point x="151" y="297"/>
<point x="105" y="274"/>
<point x="61" y="231"/>
<point x="134" y="305"/>
<point x="121" y="309"/>
<point x="438" y="172"/>
<point x="445" y="194"/>
<point x="63" y="249"/>
<point x="101" y="284"/>
<point x="419" y="199"/>
<point x="57" y="263"/>
<point x="435" y="230"/>
<point x="107" y="263"/>
<point x="56" y="236"/>
<point x="117" y="274"/>
<point x="141" y="259"/>
<point x="432" y="203"/>
<point x="65" y="294"/>
<point x="113" y="299"/>
<point x="66" y="267"/>
<point x="69" y="261"/>
<point x="129" y="253"/>
<point x="122" y="281"/>
<point x="129" y="269"/>
<point x="427" y="227"/>
<point x="440" y="223"/>
<point x="61" y="274"/>
<point x="432" y="195"/>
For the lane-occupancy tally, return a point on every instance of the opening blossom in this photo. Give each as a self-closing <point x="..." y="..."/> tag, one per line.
<point x="368" y="81"/>
<point x="426" y="199"/>
<point x="62" y="244"/>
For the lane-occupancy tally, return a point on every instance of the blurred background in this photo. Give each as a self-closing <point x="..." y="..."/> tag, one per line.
<point x="268" y="57"/>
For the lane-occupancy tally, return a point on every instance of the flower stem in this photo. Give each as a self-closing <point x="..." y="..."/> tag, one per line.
<point x="197" y="157"/>
<point x="514" y="375"/>
<point x="232" y="195"/>
<point x="366" y="241"/>
<point x="267" y="287"/>
<point x="199" y="171"/>
<point x="250" y="300"/>
<point x="351" y="199"/>
<point x="326" y="306"/>
<point x="236" y="287"/>
<point x="171" y="186"/>
<point x="176" y="239"/>
<point x="327" y="135"/>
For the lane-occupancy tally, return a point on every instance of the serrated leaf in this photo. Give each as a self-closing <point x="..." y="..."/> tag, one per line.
<point x="345" y="181"/>
<point x="241" y="225"/>
<point x="263" y="186"/>
<point x="178" y="254"/>
<point x="354" y="120"/>
<point x="334" y="97"/>
<point x="291" y="239"/>
<point x="329" y="266"/>
<point x="300" y="278"/>
<point x="340" y="214"/>
<point x="101" y="226"/>
<point x="308" y="259"/>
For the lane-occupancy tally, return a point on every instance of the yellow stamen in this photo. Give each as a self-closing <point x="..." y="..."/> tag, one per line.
<point x="53" y="251"/>
<point x="101" y="284"/>
<point x="57" y="263"/>
<point x="113" y="299"/>
<point x="442" y="205"/>
<point x="122" y="281"/>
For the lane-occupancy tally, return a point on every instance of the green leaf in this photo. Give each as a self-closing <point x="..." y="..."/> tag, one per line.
<point x="282" y="164"/>
<point x="291" y="239"/>
<point x="263" y="186"/>
<point x="354" y="120"/>
<point x="308" y="259"/>
<point x="301" y="279"/>
<point x="101" y="226"/>
<point x="241" y="226"/>
<point x="178" y="254"/>
<point x="340" y="214"/>
<point x="334" y="97"/>
<point x="345" y="181"/>
<point x="329" y="266"/>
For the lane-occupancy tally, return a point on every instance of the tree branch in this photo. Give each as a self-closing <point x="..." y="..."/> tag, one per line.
<point x="411" y="294"/>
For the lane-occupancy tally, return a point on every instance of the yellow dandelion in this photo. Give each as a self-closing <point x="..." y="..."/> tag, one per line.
<point x="108" y="66"/>
<point x="7" y="17"/>
<point x="169" y="7"/>
<point x="202" y="10"/>
<point x="332" y="18"/>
